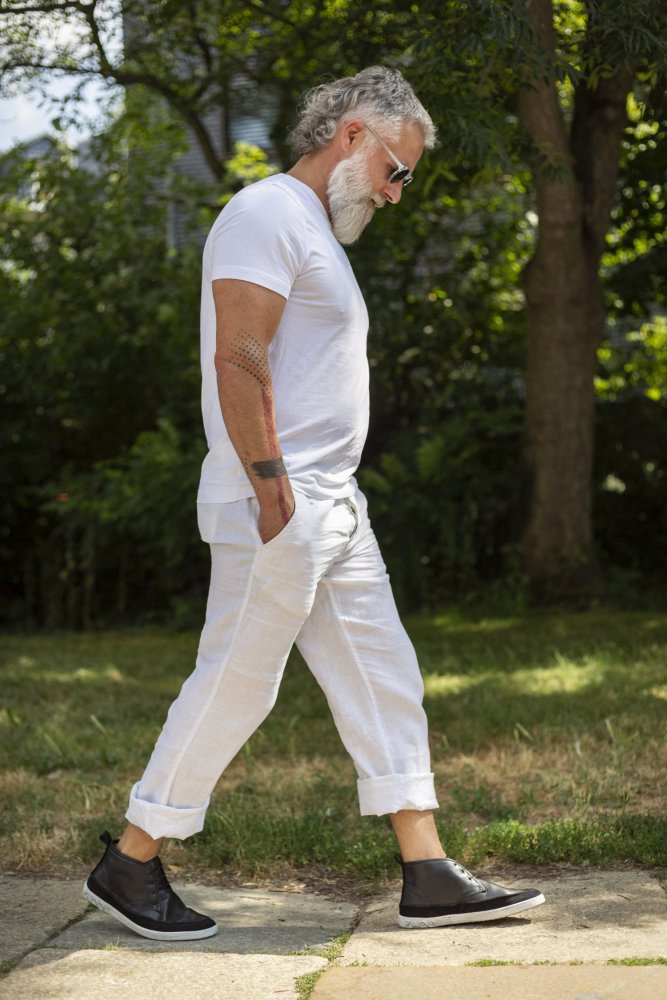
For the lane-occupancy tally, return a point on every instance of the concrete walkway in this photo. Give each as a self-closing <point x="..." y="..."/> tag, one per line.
<point x="269" y="940"/>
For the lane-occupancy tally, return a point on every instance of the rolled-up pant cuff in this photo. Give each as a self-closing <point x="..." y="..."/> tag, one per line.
<point x="393" y="792"/>
<point x="164" y="821"/>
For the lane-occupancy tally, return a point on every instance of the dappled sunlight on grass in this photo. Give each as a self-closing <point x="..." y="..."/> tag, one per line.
<point x="566" y="676"/>
<point x="537" y="719"/>
<point x="83" y="675"/>
<point x="436" y="684"/>
<point x="454" y="623"/>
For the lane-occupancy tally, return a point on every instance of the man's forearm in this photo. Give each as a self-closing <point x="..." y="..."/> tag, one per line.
<point x="245" y="389"/>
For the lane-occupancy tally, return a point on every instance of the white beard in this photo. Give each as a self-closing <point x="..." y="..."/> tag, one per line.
<point x="352" y="203"/>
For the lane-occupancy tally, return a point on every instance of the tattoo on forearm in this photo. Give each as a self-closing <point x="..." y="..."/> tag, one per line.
<point x="248" y="354"/>
<point x="252" y="357"/>
<point x="271" y="469"/>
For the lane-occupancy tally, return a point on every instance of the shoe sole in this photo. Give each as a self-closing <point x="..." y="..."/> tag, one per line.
<point x="450" y="919"/>
<point x="102" y="904"/>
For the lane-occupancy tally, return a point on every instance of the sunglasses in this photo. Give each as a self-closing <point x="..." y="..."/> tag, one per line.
<point x="402" y="172"/>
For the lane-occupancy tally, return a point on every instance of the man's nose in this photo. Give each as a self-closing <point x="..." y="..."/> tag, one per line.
<point x="393" y="192"/>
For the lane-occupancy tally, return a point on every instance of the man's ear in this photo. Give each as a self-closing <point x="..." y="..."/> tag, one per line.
<point x="352" y="134"/>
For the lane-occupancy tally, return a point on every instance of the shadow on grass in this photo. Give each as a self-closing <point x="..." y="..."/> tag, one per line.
<point x="81" y="713"/>
<point x="101" y="699"/>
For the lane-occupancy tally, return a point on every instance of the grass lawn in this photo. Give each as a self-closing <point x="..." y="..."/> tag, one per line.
<point x="548" y="737"/>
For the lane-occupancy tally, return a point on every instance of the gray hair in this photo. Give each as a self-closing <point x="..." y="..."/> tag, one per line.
<point x="380" y="96"/>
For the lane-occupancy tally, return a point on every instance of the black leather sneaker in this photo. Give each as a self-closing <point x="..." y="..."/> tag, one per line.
<point x="138" y="894"/>
<point x="442" y="892"/>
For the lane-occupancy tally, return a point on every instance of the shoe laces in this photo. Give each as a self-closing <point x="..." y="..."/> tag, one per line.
<point x="161" y="881"/>
<point x="471" y="878"/>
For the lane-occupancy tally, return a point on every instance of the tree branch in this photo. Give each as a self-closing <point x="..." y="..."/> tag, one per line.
<point x="261" y="8"/>
<point x="88" y="11"/>
<point x="600" y="116"/>
<point x="180" y="104"/>
<point x="38" y="8"/>
<point x="541" y="115"/>
<point x="127" y="78"/>
<point x="200" y="37"/>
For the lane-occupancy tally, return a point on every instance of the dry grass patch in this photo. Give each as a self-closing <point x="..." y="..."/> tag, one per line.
<point x="552" y="780"/>
<point x="548" y="737"/>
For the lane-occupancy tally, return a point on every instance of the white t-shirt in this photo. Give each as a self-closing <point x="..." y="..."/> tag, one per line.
<point x="276" y="233"/>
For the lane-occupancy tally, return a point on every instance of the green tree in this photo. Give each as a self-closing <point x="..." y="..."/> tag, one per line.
<point x="519" y="89"/>
<point x="630" y="510"/>
<point x="547" y="85"/>
<point x="99" y="350"/>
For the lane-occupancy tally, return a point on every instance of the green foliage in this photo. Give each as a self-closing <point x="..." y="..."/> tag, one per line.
<point x="443" y="466"/>
<point x="99" y="348"/>
<point x="631" y="471"/>
<point x="99" y="340"/>
<point x="101" y="435"/>
<point x="247" y="165"/>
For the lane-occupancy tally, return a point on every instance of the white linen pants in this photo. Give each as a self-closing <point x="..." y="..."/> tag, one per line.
<point x="321" y="583"/>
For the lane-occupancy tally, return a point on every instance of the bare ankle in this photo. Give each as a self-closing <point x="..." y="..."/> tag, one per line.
<point x="417" y="835"/>
<point x="137" y="844"/>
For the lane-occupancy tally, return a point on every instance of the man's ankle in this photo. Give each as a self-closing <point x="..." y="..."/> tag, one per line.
<point x="137" y="844"/>
<point x="417" y="835"/>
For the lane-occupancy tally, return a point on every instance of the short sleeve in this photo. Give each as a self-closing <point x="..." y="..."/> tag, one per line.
<point x="258" y="237"/>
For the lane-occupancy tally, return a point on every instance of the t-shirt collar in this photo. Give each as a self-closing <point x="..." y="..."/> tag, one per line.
<point x="306" y="190"/>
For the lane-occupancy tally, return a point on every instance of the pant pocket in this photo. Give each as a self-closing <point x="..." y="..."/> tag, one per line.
<point x="287" y="530"/>
<point x="285" y="566"/>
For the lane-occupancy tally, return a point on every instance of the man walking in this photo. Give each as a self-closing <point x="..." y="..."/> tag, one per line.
<point x="294" y="559"/>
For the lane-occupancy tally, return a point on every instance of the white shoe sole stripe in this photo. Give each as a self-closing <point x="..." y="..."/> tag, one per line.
<point x="101" y="904"/>
<point x="471" y="918"/>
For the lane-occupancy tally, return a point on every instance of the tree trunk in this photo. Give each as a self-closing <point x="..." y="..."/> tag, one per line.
<point x="565" y="314"/>
<point x="565" y="323"/>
